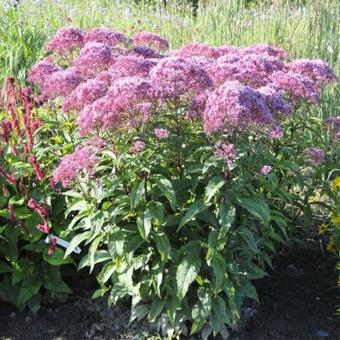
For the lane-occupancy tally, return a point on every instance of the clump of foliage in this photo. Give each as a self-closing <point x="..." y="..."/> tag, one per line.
<point x="188" y="169"/>
<point x="28" y="207"/>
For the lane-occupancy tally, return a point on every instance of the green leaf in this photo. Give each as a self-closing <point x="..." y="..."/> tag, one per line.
<point x="99" y="256"/>
<point x="139" y="312"/>
<point x="14" y="200"/>
<point x="186" y="273"/>
<point x="80" y="206"/>
<point x="106" y="272"/>
<point x="213" y="186"/>
<point x="156" y="308"/>
<point x="93" y="249"/>
<point x="76" y="241"/>
<point x="163" y="245"/>
<point x="199" y="318"/>
<point x="116" y="243"/>
<point x="193" y="210"/>
<point x="257" y="207"/>
<point x="5" y="268"/>
<point x="248" y="236"/>
<point x="137" y="194"/>
<point x="220" y="309"/>
<point x="29" y="288"/>
<point x="227" y="216"/>
<point x="248" y="290"/>
<point x="219" y="268"/>
<point x="144" y="224"/>
<point x="57" y="258"/>
<point x="167" y="190"/>
<point x="157" y="211"/>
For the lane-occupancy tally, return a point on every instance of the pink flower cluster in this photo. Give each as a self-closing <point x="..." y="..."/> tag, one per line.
<point x="161" y="133"/>
<point x="234" y="105"/>
<point x="126" y="104"/>
<point x="117" y="82"/>
<point x="314" y="156"/>
<point x="226" y="152"/>
<point x="149" y="39"/>
<point x="84" y="158"/>
<point x="333" y="124"/>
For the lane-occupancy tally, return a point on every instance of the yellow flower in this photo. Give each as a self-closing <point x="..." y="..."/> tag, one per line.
<point x="331" y="247"/>
<point x="336" y="220"/>
<point x="322" y="228"/>
<point x="336" y="183"/>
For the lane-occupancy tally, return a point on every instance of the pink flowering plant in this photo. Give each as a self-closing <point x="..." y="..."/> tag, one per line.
<point x="29" y="210"/>
<point x="188" y="169"/>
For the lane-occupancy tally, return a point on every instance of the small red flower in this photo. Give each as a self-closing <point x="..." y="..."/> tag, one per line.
<point x="53" y="245"/>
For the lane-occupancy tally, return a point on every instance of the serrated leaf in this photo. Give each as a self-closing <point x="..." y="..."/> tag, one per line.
<point x="227" y="216"/>
<point x="137" y="194"/>
<point x="193" y="210"/>
<point x="99" y="256"/>
<point x="157" y="211"/>
<point x="167" y="190"/>
<point x="257" y="207"/>
<point x="80" y="206"/>
<point x="163" y="245"/>
<point x="248" y="236"/>
<point x="248" y="290"/>
<point x="106" y="272"/>
<point x="186" y="273"/>
<point x="156" y="309"/>
<point x="144" y="224"/>
<point x="215" y="184"/>
<point x="139" y="312"/>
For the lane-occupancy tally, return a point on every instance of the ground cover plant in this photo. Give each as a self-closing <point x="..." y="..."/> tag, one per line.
<point x="28" y="207"/>
<point x="189" y="166"/>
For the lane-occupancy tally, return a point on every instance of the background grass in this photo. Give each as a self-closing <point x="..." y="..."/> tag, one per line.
<point x="305" y="28"/>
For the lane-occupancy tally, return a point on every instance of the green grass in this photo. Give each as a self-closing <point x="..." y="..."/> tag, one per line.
<point x="308" y="28"/>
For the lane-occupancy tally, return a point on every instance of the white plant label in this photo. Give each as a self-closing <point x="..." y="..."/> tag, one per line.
<point x="62" y="243"/>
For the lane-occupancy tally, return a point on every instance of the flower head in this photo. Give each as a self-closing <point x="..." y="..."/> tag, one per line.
<point x="198" y="50"/>
<point x="66" y="39"/>
<point x="315" y="156"/>
<point x="316" y="70"/>
<point x="149" y="39"/>
<point x="126" y="104"/>
<point x="84" y="158"/>
<point x="161" y="133"/>
<point x="93" y="58"/>
<point x="322" y="228"/>
<point x="226" y="152"/>
<point x="235" y="105"/>
<point x="174" y="76"/>
<point x="131" y="66"/>
<point x="296" y="85"/>
<point x="41" y="71"/>
<point x="137" y="147"/>
<point x="85" y="94"/>
<point x="266" y="170"/>
<point x="336" y="184"/>
<point x="61" y="83"/>
<point x="105" y="36"/>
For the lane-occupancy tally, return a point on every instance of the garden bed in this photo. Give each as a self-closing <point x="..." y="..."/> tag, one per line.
<point x="297" y="302"/>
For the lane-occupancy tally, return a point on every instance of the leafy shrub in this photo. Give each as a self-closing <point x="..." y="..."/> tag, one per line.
<point x="188" y="169"/>
<point x="28" y="207"/>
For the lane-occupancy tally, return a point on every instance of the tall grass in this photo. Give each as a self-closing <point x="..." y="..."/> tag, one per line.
<point x="305" y="28"/>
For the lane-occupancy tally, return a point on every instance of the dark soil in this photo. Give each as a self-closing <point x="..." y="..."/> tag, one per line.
<point x="298" y="301"/>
